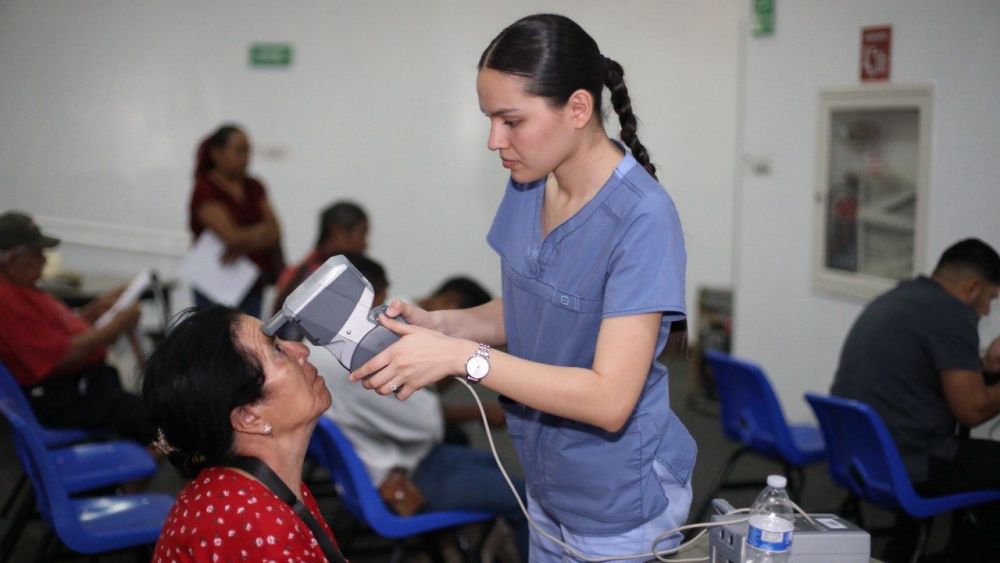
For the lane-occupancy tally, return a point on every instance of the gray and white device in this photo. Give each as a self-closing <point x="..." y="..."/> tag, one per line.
<point x="333" y="308"/>
<point x="827" y="539"/>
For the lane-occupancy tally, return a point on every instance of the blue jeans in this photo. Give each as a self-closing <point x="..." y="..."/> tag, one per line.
<point x="250" y="305"/>
<point x="461" y="478"/>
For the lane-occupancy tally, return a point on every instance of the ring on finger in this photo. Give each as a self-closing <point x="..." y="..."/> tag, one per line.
<point x="393" y="387"/>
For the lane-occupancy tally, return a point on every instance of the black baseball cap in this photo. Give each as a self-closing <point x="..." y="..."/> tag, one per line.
<point x="18" y="229"/>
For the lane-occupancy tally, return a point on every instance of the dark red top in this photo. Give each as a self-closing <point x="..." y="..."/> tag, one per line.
<point x="245" y="213"/>
<point x="223" y="515"/>
<point x="35" y="333"/>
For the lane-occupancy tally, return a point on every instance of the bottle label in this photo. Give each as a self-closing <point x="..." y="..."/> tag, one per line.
<point x="774" y="535"/>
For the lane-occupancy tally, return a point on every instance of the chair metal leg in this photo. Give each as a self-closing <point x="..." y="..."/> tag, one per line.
<point x="852" y="506"/>
<point x="469" y="549"/>
<point x="20" y="513"/>
<point x="398" y="551"/>
<point x="918" y="549"/>
<point x="719" y="481"/>
<point x="9" y="503"/>
<point x="44" y="553"/>
<point x="796" y="482"/>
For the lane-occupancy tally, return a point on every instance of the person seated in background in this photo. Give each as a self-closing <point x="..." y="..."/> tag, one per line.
<point x="343" y="228"/>
<point x="913" y="356"/>
<point x="461" y="292"/>
<point x="391" y="435"/>
<point x="218" y="389"/>
<point x="58" y="356"/>
<point x="457" y="292"/>
<point x="234" y="205"/>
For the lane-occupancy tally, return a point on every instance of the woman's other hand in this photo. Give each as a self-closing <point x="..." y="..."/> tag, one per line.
<point x="419" y="358"/>
<point x="413" y="315"/>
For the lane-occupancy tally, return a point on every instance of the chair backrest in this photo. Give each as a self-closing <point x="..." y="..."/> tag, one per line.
<point x="51" y="437"/>
<point x="335" y="452"/>
<point x="750" y="411"/>
<point x="11" y="389"/>
<point x="50" y="495"/>
<point x="863" y="457"/>
<point x="361" y="498"/>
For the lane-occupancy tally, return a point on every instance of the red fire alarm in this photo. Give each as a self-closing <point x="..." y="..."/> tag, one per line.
<point x="876" y="53"/>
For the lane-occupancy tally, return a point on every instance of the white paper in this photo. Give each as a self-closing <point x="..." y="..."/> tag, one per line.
<point x="128" y="297"/>
<point x="223" y="283"/>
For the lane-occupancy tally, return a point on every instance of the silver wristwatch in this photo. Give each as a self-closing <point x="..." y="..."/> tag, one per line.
<point x="478" y="365"/>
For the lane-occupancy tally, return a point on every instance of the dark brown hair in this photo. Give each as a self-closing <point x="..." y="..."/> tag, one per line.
<point x="557" y="57"/>
<point x="217" y="140"/>
<point x="193" y="380"/>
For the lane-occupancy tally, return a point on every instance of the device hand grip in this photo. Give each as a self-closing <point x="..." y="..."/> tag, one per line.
<point x="377" y="339"/>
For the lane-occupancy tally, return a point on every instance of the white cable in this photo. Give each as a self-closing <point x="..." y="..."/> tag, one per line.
<point x="659" y="555"/>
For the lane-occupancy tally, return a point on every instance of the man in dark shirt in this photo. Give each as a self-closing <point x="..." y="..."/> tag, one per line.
<point x="913" y="356"/>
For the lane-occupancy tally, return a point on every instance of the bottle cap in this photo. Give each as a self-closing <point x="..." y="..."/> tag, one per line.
<point x="776" y="481"/>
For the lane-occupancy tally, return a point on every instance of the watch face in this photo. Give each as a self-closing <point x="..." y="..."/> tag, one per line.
<point x="477" y="367"/>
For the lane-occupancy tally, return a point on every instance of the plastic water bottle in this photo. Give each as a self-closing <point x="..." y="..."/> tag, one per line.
<point x="769" y="533"/>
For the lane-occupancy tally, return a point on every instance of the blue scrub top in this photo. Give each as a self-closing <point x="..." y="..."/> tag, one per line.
<point x="621" y="254"/>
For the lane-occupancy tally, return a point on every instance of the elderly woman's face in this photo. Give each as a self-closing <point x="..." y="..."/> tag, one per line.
<point x="294" y="393"/>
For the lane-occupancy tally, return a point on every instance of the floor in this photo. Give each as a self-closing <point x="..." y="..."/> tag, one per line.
<point x="696" y="411"/>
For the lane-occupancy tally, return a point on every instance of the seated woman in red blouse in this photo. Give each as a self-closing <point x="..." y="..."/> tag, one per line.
<point x="220" y="392"/>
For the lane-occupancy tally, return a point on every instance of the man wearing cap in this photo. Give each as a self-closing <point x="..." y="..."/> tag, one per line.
<point x="55" y="354"/>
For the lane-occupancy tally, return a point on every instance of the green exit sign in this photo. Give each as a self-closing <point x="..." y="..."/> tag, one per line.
<point x="763" y="18"/>
<point x="271" y="54"/>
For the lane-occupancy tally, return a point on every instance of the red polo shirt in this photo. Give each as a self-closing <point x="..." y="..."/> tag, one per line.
<point x="35" y="333"/>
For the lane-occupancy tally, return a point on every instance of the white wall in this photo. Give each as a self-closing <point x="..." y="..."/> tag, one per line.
<point x="102" y="103"/>
<point x="793" y="330"/>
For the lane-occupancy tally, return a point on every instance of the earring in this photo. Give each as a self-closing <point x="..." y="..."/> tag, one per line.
<point x="267" y="428"/>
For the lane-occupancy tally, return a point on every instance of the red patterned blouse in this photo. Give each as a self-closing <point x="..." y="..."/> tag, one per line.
<point x="223" y="515"/>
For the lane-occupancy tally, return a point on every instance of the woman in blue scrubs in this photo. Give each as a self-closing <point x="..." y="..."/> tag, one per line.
<point x="593" y="259"/>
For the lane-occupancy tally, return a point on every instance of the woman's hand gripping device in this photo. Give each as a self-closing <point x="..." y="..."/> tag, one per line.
<point x="332" y="308"/>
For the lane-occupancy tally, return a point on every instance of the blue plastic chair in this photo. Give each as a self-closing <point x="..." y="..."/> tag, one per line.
<point x="85" y="525"/>
<point x="51" y="437"/>
<point x="85" y="466"/>
<point x="864" y="460"/>
<point x="752" y="416"/>
<point x="82" y="467"/>
<point x="358" y="494"/>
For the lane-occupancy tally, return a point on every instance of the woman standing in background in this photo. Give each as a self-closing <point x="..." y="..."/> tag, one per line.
<point x="235" y="207"/>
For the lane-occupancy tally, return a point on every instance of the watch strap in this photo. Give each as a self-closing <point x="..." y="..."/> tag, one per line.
<point x="483" y="351"/>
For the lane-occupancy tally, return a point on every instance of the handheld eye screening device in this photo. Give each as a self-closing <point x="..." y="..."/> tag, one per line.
<point x="333" y="308"/>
